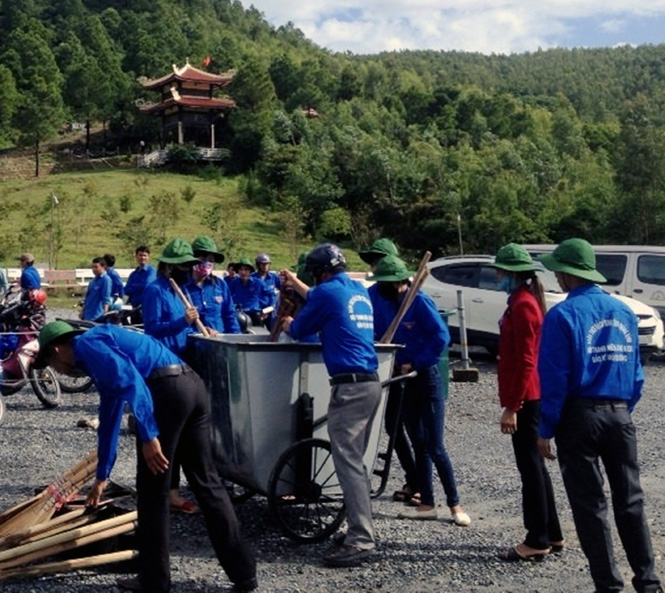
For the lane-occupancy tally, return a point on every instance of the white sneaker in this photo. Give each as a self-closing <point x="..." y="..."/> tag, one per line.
<point x="461" y="519"/>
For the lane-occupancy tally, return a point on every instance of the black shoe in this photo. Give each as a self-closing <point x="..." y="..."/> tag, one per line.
<point x="347" y="556"/>
<point x="246" y="586"/>
<point x="129" y="583"/>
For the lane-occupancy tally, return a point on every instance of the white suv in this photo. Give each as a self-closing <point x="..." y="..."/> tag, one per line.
<point x="484" y="303"/>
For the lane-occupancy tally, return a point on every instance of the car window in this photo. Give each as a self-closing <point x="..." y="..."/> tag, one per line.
<point x="487" y="278"/>
<point x="463" y="275"/>
<point x="651" y="269"/>
<point x="612" y="266"/>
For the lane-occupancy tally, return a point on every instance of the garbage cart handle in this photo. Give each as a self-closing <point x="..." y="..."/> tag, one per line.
<point x="199" y="324"/>
<point x="399" y="378"/>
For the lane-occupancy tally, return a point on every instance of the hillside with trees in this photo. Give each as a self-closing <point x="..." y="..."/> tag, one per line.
<point x="533" y="147"/>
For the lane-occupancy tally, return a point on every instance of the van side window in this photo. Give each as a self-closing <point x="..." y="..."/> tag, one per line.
<point x="612" y="266"/>
<point x="651" y="269"/>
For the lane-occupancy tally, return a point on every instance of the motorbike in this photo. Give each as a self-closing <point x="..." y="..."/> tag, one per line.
<point x="119" y="314"/>
<point x="21" y="317"/>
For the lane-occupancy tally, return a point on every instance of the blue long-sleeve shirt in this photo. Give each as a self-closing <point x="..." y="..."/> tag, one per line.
<point x="422" y="331"/>
<point x="214" y="303"/>
<point x="589" y="348"/>
<point x="164" y="315"/>
<point x="249" y="296"/>
<point x="97" y="295"/>
<point x="116" y="282"/>
<point x="272" y="283"/>
<point x="341" y="310"/>
<point x="119" y="361"/>
<point x="30" y="278"/>
<point x="136" y="283"/>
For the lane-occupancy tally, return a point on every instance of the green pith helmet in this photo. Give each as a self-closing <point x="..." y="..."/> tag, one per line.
<point x="514" y="258"/>
<point x="177" y="251"/>
<point x="202" y="246"/>
<point x="301" y="270"/>
<point x="49" y="334"/>
<point x="391" y="269"/>
<point x="243" y="261"/>
<point x="575" y="257"/>
<point x="380" y="248"/>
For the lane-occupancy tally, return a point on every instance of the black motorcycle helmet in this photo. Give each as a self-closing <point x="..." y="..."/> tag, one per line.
<point x="325" y="258"/>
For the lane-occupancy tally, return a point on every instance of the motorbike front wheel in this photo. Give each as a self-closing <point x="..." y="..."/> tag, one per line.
<point x="46" y="387"/>
<point x="73" y="384"/>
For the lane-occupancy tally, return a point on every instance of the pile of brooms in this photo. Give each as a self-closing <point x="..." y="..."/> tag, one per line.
<point x="30" y="534"/>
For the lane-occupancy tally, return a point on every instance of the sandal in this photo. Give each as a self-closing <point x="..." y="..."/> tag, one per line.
<point x="557" y="547"/>
<point x="512" y="555"/>
<point x="415" y="500"/>
<point x="403" y="495"/>
<point x="187" y="507"/>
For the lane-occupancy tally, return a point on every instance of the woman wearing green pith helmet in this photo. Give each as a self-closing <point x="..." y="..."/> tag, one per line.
<point x="166" y="318"/>
<point x="519" y="394"/>
<point x="424" y="336"/>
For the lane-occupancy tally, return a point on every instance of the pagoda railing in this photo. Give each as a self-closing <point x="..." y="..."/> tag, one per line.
<point x="159" y="157"/>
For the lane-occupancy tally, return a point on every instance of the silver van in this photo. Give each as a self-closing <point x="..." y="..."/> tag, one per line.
<point x="636" y="271"/>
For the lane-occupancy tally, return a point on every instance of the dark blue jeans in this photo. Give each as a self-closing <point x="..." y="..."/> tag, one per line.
<point x="586" y="434"/>
<point x="424" y="416"/>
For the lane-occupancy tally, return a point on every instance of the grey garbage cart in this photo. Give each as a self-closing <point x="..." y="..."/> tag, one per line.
<point x="268" y="413"/>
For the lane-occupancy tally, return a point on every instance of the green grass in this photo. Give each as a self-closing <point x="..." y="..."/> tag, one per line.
<point x="84" y="198"/>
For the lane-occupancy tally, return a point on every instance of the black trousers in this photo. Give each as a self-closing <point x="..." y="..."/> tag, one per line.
<point x="393" y="421"/>
<point x="605" y="432"/>
<point x="538" y="507"/>
<point x="182" y="414"/>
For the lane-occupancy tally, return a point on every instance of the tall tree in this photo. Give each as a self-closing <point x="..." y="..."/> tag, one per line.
<point x="40" y="109"/>
<point x="640" y="157"/>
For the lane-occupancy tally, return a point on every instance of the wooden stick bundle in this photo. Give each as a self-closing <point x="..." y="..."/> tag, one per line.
<point x="73" y="564"/>
<point x="36" y="531"/>
<point x="181" y="295"/>
<point x="41" y="508"/>
<point x="69" y="540"/>
<point x="417" y="282"/>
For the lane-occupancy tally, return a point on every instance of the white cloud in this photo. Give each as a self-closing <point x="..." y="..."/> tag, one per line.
<point x="499" y="26"/>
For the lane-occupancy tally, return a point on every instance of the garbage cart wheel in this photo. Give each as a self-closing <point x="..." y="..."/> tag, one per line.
<point x="237" y="493"/>
<point x="304" y="494"/>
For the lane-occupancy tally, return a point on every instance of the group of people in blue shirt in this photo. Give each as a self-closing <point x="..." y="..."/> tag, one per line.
<point x="589" y="362"/>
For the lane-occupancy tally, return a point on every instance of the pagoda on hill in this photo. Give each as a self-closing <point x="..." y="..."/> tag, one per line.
<point x="188" y="108"/>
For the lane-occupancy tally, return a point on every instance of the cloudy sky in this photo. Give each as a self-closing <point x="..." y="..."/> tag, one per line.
<point x="486" y="26"/>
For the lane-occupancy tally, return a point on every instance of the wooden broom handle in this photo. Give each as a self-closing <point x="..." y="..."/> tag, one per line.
<point x="418" y="280"/>
<point x="199" y="324"/>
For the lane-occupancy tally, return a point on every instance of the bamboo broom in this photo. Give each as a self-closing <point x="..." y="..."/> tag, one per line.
<point x="407" y="301"/>
<point x="181" y="295"/>
<point x="42" y="507"/>
<point x="66" y="565"/>
<point x="68" y="540"/>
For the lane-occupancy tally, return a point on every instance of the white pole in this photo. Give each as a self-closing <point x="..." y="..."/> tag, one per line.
<point x="459" y="234"/>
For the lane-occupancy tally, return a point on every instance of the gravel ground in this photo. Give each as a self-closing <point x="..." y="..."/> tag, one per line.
<point x="36" y="444"/>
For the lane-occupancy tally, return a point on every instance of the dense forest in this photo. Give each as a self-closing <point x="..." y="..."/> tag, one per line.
<point x="533" y="147"/>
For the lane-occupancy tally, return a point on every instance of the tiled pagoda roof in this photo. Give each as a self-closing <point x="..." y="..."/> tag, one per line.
<point x="189" y="73"/>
